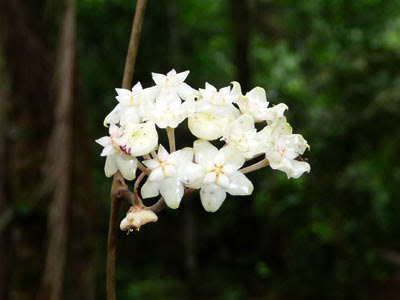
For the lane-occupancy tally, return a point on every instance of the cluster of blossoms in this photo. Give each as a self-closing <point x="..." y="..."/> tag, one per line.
<point x="224" y="115"/>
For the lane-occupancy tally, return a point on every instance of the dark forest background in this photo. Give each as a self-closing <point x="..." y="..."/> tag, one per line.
<point x="332" y="234"/>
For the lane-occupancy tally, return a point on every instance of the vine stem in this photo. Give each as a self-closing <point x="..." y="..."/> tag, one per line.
<point x="171" y="139"/>
<point x="118" y="181"/>
<point x="258" y="165"/>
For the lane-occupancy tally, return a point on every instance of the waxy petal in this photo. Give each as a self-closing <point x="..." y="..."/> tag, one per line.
<point x="110" y="167"/>
<point x="204" y="152"/>
<point x="212" y="197"/>
<point x="127" y="166"/>
<point x="172" y="191"/>
<point x="150" y="189"/>
<point x="240" y="185"/>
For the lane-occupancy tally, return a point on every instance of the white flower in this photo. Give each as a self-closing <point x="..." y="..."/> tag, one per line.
<point x="221" y="174"/>
<point x="214" y="97"/>
<point x="116" y="159"/>
<point x="275" y="112"/>
<point x="213" y="112"/>
<point x="207" y="125"/>
<point x="282" y="148"/>
<point x="169" y="175"/>
<point x="138" y="139"/>
<point x="129" y="108"/>
<point x="173" y="83"/>
<point x="242" y="134"/>
<point x="168" y="110"/>
<point x="255" y="103"/>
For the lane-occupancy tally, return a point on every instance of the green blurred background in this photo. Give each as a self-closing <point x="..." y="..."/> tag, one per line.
<point x="332" y="234"/>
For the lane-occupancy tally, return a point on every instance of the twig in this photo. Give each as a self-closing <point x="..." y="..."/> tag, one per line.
<point x="147" y="157"/>
<point x="154" y="154"/>
<point x="118" y="181"/>
<point x="133" y="44"/>
<point x="171" y="139"/>
<point x="261" y="164"/>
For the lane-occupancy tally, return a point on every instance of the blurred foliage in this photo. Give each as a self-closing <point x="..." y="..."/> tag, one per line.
<point x="323" y="236"/>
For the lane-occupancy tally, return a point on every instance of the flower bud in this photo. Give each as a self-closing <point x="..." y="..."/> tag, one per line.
<point x="136" y="217"/>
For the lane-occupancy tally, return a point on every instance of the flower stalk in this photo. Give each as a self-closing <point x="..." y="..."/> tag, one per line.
<point x="171" y="139"/>
<point x="258" y="165"/>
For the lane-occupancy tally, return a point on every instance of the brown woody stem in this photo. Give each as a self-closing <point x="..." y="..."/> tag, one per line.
<point x="118" y="181"/>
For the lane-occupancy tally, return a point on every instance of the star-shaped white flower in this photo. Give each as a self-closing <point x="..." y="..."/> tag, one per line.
<point x="173" y="83"/>
<point x="242" y="134"/>
<point x="222" y="174"/>
<point x="129" y="109"/>
<point x="168" y="110"/>
<point x="169" y="175"/>
<point x="213" y="112"/>
<point x="116" y="159"/>
<point x="138" y="139"/>
<point x="255" y="103"/>
<point x="282" y="148"/>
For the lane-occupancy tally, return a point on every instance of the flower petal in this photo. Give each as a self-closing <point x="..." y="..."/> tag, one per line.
<point x="151" y="163"/>
<point x="162" y="153"/>
<point x="232" y="156"/>
<point x="104" y="141"/>
<point x="240" y="185"/>
<point x="150" y="189"/>
<point x="156" y="175"/>
<point x="210" y="178"/>
<point x="159" y="79"/>
<point x="127" y="165"/>
<point x="212" y="197"/>
<point x="299" y="167"/>
<point x="123" y="92"/>
<point x="113" y="116"/>
<point x="191" y="174"/>
<point x="204" y="152"/>
<point x="110" y="168"/>
<point x="108" y="150"/>
<point x="207" y="125"/>
<point x="223" y="181"/>
<point x="138" y="139"/>
<point x="172" y="191"/>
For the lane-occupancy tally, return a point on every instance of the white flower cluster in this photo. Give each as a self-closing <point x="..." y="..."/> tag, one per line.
<point x="212" y="114"/>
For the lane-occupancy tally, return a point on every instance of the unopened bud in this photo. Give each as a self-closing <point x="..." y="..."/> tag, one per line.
<point x="137" y="217"/>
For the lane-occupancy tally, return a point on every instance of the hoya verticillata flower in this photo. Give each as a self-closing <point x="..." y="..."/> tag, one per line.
<point x="169" y="174"/>
<point x="222" y="174"/>
<point x="255" y="103"/>
<point x="173" y="83"/>
<point x="129" y="108"/>
<point x="168" y="110"/>
<point x="242" y="134"/>
<point x="213" y="112"/>
<point x="138" y="139"/>
<point x="116" y="159"/>
<point x="282" y="149"/>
